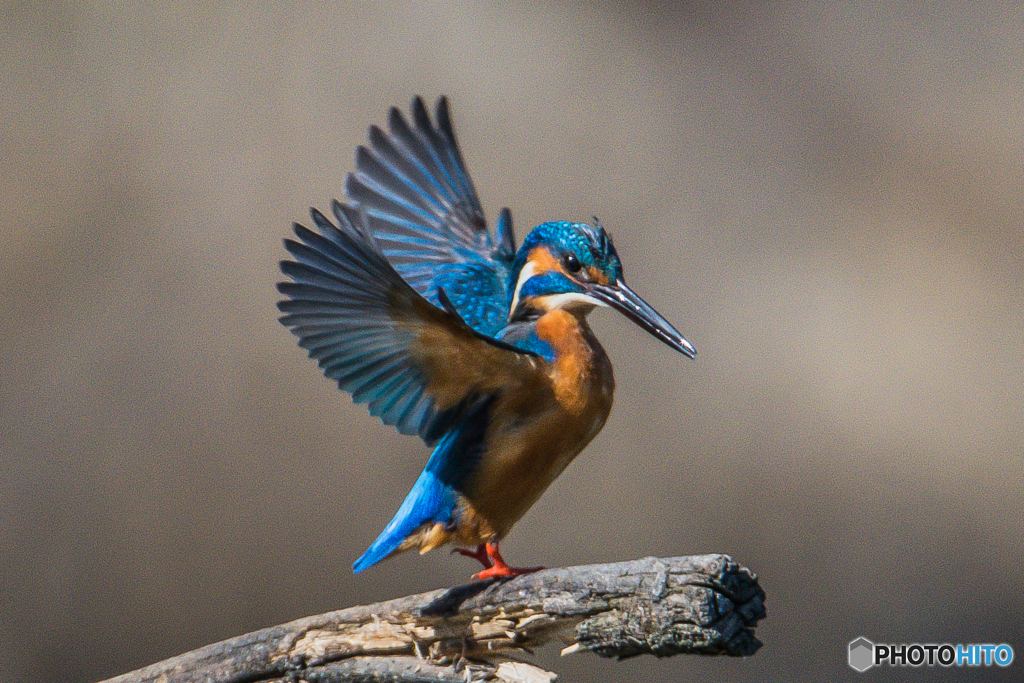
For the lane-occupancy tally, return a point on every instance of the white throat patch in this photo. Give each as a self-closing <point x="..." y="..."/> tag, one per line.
<point x="568" y="300"/>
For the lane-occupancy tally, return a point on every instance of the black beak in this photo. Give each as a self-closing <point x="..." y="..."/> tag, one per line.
<point x="626" y="301"/>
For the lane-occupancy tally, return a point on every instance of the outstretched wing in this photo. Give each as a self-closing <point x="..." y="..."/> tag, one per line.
<point x="421" y="206"/>
<point x="416" y="366"/>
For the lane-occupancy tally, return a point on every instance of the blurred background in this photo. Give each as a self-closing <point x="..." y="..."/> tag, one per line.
<point x="827" y="200"/>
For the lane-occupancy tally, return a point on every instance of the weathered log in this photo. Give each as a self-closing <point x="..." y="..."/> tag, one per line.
<point x="705" y="604"/>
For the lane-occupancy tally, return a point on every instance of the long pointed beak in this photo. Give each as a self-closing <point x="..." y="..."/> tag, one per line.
<point x="626" y="301"/>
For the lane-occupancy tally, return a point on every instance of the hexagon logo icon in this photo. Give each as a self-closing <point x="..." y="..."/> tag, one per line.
<point x="862" y="654"/>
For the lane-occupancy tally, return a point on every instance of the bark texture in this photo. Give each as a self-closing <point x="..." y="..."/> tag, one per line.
<point x="481" y="631"/>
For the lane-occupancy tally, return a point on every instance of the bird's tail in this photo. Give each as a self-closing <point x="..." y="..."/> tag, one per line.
<point x="430" y="501"/>
<point x="433" y="497"/>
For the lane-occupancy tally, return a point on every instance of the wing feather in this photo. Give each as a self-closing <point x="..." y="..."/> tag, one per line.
<point x="420" y="204"/>
<point x="415" y="365"/>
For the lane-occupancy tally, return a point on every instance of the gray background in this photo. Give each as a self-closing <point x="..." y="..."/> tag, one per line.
<point x="827" y="200"/>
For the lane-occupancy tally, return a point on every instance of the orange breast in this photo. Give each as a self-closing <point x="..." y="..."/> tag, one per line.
<point x="536" y="431"/>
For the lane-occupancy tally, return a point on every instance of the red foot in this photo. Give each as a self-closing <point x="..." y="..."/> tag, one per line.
<point x="480" y="555"/>
<point x="494" y="564"/>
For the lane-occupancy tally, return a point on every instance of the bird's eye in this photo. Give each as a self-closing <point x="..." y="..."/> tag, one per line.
<point x="572" y="264"/>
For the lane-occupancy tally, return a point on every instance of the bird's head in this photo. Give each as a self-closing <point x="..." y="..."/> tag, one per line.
<point x="574" y="266"/>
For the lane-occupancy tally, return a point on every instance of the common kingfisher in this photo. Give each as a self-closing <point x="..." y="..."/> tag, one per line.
<point x="450" y="333"/>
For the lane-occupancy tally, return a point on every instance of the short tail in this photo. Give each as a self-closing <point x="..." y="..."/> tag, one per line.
<point x="429" y="501"/>
<point x="433" y="497"/>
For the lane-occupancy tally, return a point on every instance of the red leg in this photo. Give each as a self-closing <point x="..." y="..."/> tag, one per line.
<point x="498" y="567"/>
<point x="480" y="555"/>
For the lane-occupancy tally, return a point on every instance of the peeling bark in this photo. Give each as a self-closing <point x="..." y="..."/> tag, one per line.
<point x="704" y="604"/>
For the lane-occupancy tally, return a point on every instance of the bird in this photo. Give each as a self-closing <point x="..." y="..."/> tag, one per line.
<point x="447" y="331"/>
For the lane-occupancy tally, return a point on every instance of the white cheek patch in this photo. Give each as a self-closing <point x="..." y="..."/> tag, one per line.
<point x="567" y="300"/>
<point x="525" y="274"/>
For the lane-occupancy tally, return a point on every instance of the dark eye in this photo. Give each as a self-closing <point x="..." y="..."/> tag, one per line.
<point x="572" y="264"/>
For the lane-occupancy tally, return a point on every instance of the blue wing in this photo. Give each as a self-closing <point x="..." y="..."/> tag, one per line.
<point x="421" y="206"/>
<point x="416" y="366"/>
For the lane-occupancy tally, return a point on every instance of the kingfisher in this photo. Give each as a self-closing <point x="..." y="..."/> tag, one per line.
<point x="449" y="332"/>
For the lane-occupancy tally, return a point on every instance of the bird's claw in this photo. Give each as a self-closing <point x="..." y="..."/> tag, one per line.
<point x="504" y="571"/>
<point x="480" y="555"/>
<point x="494" y="564"/>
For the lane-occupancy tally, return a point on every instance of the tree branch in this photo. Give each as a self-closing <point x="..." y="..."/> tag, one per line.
<point x="704" y="604"/>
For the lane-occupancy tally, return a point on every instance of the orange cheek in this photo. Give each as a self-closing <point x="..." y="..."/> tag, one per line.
<point x="596" y="275"/>
<point x="543" y="260"/>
